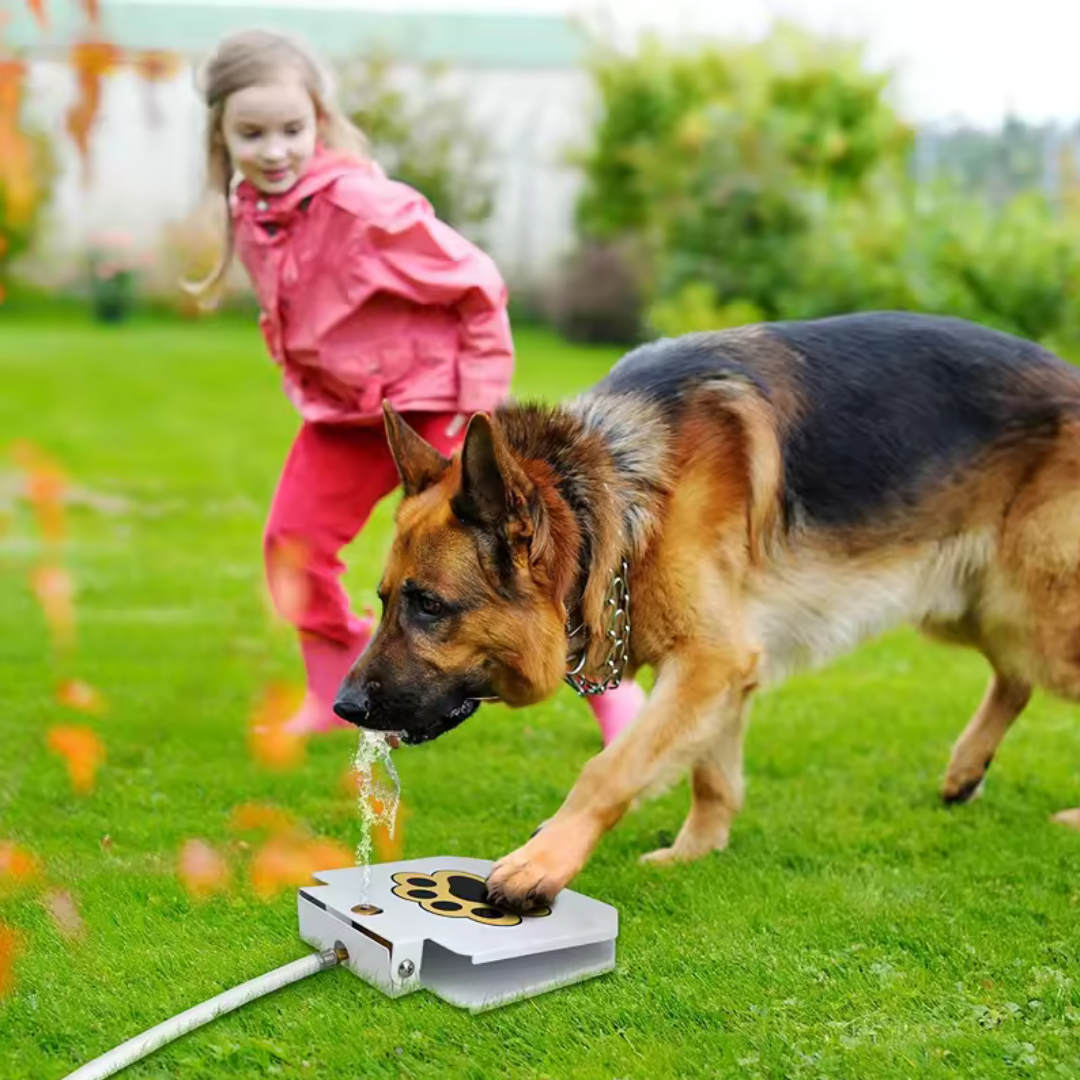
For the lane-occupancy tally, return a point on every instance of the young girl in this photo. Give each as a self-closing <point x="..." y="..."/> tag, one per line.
<point x="364" y="295"/>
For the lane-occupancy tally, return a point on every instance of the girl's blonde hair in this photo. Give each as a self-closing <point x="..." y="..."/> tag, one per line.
<point x="253" y="58"/>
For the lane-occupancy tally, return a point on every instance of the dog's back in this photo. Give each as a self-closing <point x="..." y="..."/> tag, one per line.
<point x="871" y="408"/>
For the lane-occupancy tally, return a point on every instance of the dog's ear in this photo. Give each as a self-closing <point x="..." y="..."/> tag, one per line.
<point x="419" y="464"/>
<point x="495" y="492"/>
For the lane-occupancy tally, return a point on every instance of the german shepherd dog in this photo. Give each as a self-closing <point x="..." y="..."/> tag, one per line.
<point x="767" y="497"/>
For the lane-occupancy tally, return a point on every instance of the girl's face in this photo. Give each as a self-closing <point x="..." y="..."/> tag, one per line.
<point x="270" y="132"/>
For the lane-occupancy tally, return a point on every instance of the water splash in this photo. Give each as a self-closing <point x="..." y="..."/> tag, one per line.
<point x="378" y="802"/>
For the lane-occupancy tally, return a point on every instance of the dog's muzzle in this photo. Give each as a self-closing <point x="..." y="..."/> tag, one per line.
<point x="360" y="703"/>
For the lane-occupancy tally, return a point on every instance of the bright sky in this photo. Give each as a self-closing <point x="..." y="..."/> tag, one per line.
<point x="957" y="59"/>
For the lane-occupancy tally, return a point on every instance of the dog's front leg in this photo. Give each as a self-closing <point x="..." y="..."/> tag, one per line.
<point x="699" y="694"/>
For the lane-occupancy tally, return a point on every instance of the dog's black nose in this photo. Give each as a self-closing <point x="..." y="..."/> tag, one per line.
<point x="353" y="704"/>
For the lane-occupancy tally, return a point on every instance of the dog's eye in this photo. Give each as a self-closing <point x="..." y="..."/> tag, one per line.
<point x="426" y="607"/>
<point x="430" y="606"/>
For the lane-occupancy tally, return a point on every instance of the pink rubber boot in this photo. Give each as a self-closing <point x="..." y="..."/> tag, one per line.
<point x="614" y="709"/>
<point x="326" y="662"/>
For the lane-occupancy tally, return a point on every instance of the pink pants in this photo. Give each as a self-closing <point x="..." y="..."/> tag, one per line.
<point x="332" y="480"/>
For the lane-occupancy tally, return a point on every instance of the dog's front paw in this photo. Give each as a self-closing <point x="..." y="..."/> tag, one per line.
<point x="537" y="872"/>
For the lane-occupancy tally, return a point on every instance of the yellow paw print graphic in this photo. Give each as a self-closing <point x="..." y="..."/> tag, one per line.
<point x="455" y="894"/>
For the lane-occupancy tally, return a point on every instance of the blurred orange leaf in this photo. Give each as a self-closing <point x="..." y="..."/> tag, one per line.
<point x="92" y="9"/>
<point x="38" y="9"/>
<point x="287" y="861"/>
<point x="16" y="172"/>
<point x="60" y="905"/>
<point x="46" y="484"/>
<point x="202" y="869"/>
<point x="55" y="590"/>
<point x="387" y="847"/>
<point x="350" y="781"/>
<point x="17" y="864"/>
<point x="95" y="57"/>
<point x="91" y="62"/>
<point x="328" y="855"/>
<point x="250" y="816"/>
<point x="287" y="578"/>
<point x="270" y="744"/>
<point x="9" y="950"/>
<point x="82" y="751"/>
<point x="155" y="66"/>
<point x="81" y="697"/>
<point x="280" y="863"/>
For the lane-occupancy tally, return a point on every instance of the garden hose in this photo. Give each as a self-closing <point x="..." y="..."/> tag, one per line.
<point x="142" y="1045"/>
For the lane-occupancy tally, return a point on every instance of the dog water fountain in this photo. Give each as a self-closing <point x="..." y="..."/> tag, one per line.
<point x="421" y="924"/>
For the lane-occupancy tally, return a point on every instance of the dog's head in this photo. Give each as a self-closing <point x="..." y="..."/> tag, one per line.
<point x="484" y="551"/>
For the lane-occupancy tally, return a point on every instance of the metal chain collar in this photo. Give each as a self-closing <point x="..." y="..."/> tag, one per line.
<point x="617" y="603"/>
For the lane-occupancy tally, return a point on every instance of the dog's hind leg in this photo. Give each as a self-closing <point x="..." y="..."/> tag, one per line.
<point x="1005" y="700"/>
<point x="716" y="791"/>
<point x="1033" y="605"/>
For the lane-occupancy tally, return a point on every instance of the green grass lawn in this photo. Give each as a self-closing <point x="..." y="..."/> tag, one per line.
<point x="855" y="928"/>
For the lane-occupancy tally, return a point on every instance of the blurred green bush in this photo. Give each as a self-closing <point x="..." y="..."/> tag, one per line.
<point x="774" y="180"/>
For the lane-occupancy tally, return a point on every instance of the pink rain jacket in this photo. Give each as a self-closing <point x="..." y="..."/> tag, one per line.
<point x="366" y="295"/>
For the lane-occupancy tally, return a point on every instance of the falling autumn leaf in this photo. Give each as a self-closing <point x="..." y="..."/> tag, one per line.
<point x="288" y="861"/>
<point x="328" y="855"/>
<point x="46" y="487"/>
<point x="202" y="869"/>
<point x="37" y="7"/>
<point x="270" y="744"/>
<point x="16" y="171"/>
<point x="92" y="9"/>
<point x="277" y="865"/>
<point x="350" y="782"/>
<point x="251" y="816"/>
<point x="155" y="66"/>
<point x="287" y="578"/>
<point x="55" y="591"/>
<point x="158" y="64"/>
<point x="81" y="697"/>
<point x="82" y="751"/>
<point x="60" y="905"/>
<point x="388" y="846"/>
<point x="91" y="61"/>
<point x="9" y="951"/>
<point x="17" y="865"/>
